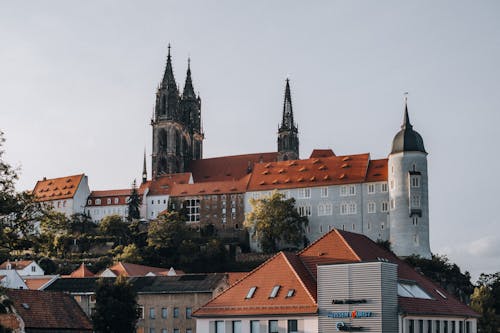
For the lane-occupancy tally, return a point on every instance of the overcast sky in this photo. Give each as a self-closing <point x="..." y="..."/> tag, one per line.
<point x="78" y="82"/>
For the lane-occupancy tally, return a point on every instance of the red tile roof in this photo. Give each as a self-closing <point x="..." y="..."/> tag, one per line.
<point x="57" y="188"/>
<point x="35" y="282"/>
<point x="49" y="310"/>
<point x="309" y="172"/>
<point x="377" y="170"/>
<point x="163" y="185"/>
<point x="126" y="269"/>
<point x="283" y="269"/>
<point x="317" y="153"/>
<point x="227" y="167"/>
<point x="18" y="264"/>
<point x="208" y="188"/>
<point x="80" y="272"/>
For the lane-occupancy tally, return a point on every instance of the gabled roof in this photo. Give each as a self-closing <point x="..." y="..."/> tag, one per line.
<point x="163" y="184"/>
<point x="227" y="167"/>
<point x="49" y="310"/>
<point x="127" y="269"/>
<point x="209" y="188"/>
<point x="310" y="172"/>
<point x="81" y="272"/>
<point x="121" y="194"/>
<point x="377" y="170"/>
<point x="17" y="265"/>
<point x="37" y="282"/>
<point x="282" y="270"/>
<point x="57" y="188"/>
<point x="318" y="153"/>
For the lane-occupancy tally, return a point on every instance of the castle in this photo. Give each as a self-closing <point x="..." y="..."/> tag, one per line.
<point x="384" y="199"/>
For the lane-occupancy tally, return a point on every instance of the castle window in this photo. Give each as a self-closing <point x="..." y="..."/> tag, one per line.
<point x="393" y="204"/>
<point x="193" y="210"/>
<point x="304" y="193"/>
<point x="324" y="192"/>
<point x="384" y="187"/>
<point x="415" y="181"/>
<point x="343" y="191"/>
<point x="415" y="221"/>
<point x="352" y="190"/>
<point x="353" y="226"/>
<point x="89" y="202"/>
<point x="384" y="206"/>
<point x="344" y="208"/>
<point x="393" y="185"/>
<point x="372" y="207"/>
<point x="369" y="226"/>
<point x="152" y="202"/>
<point x="108" y="201"/>
<point x="371" y="188"/>
<point x="415" y="200"/>
<point x="321" y="228"/>
<point x="116" y="200"/>
<point x="97" y="201"/>
<point x="352" y="208"/>
<point x="304" y="210"/>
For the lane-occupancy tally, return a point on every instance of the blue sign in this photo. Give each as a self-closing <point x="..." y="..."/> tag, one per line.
<point x="350" y="314"/>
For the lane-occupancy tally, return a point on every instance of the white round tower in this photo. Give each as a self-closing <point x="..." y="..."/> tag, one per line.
<point x="408" y="193"/>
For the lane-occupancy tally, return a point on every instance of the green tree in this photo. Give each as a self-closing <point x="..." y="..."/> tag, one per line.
<point x="167" y="231"/>
<point x="18" y="211"/>
<point x="130" y="253"/>
<point x="81" y="224"/>
<point x="445" y="273"/>
<point x="113" y="225"/>
<point x="54" y="223"/>
<point x="276" y="223"/>
<point x="116" y="306"/>
<point x="482" y="301"/>
<point x="134" y="203"/>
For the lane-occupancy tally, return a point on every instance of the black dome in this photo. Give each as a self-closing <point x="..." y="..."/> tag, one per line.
<point x="407" y="139"/>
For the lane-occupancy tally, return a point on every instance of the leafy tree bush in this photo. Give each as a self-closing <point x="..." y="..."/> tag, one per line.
<point x="48" y="266"/>
<point x="486" y="301"/>
<point x="116" y="306"/>
<point x="113" y="225"/>
<point x="276" y="222"/>
<point x="134" y="203"/>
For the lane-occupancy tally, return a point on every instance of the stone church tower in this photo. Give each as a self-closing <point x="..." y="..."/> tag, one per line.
<point x="288" y="133"/>
<point x="177" y="130"/>
<point x="408" y="193"/>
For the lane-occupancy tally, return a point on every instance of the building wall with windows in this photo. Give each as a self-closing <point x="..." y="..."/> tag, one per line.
<point x="361" y="208"/>
<point x="260" y="324"/>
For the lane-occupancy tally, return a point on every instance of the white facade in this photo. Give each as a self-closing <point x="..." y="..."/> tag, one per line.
<point x="249" y="324"/>
<point x="155" y="205"/>
<point x="442" y="324"/>
<point x="10" y="278"/>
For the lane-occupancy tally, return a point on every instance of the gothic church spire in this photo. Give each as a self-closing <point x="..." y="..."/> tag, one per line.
<point x="288" y="139"/>
<point x="188" y="86"/>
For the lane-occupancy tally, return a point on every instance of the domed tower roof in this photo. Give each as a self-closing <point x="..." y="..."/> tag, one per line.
<point x="407" y="139"/>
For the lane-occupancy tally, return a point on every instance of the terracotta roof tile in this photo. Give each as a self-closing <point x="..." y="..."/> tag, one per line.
<point x="163" y="185"/>
<point x="57" y="188"/>
<point x="18" y="264"/>
<point x="317" y="153"/>
<point x="207" y="188"/>
<point x="81" y="272"/>
<point x="127" y="269"/>
<point x="377" y="170"/>
<point x="284" y="270"/>
<point x="35" y="282"/>
<point x="49" y="310"/>
<point x="310" y="172"/>
<point x="227" y="167"/>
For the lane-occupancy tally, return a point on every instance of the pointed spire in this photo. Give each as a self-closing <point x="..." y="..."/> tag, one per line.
<point x="287" y="108"/>
<point x="144" y="170"/>
<point x="406" y="117"/>
<point x="168" y="77"/>
<point x="188" y="86"/>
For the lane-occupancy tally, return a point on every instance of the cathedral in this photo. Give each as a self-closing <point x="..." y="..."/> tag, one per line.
<point x="385" y="199"/>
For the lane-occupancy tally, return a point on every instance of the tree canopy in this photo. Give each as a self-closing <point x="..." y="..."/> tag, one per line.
<point x="134" y="203"/>
<point x="486" y="301"/>
<point x="116" y="306"/>
<point x="276" y="223"/>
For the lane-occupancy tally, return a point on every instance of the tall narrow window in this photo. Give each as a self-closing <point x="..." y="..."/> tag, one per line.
<point x="371" y="188"/>
<point x="273" y="326"/>
<point x="324" y="192"/>
<point x="372" y="207"/>
<point x="189" y="311"/>
<point x="384" y="187"/>
<point x="254" y="326"/>
<point x="292" y="326"/>
<point x="236" y="326"/>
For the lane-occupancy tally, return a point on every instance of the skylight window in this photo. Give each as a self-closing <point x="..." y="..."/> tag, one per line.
<point x="275" y="291"/>
<point x="251" y="292"/>
<point x="290" y="293"/>
<point x="410" y="289"/>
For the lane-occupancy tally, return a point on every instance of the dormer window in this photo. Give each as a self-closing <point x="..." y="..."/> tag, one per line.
<point x="275" y="291"/>
<point x="108" y="201"/>
<point x="290" y="293"/>
<point x="251" y="292"/>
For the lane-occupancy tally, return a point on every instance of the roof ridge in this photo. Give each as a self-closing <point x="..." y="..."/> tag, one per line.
<point x="346" y="243"/>
<point x="297" y="275"/>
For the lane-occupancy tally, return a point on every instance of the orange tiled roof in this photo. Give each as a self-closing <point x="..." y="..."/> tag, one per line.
<point x="227" y="167"/>
<point x="233" y="277"/>
<point x="163" y="184"/>
<point x="283" y="269"/>
<point x="309" y="172"/>
<point x="127" y="269"/>
<point x="208" y="188"/>
<point x="377" y="170"/>
<point x="57" y="188"/>
<point x="81" y="272"/>
<point x="318" y="153"/>
<point x="36" y="282"/>
<point x="18" y="265"/>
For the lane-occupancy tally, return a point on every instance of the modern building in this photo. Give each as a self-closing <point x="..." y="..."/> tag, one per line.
<point x="342" y="282"/>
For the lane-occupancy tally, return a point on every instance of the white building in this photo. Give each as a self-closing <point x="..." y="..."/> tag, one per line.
<point x="23" y="267"/>
<point x="67" y="195"/>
